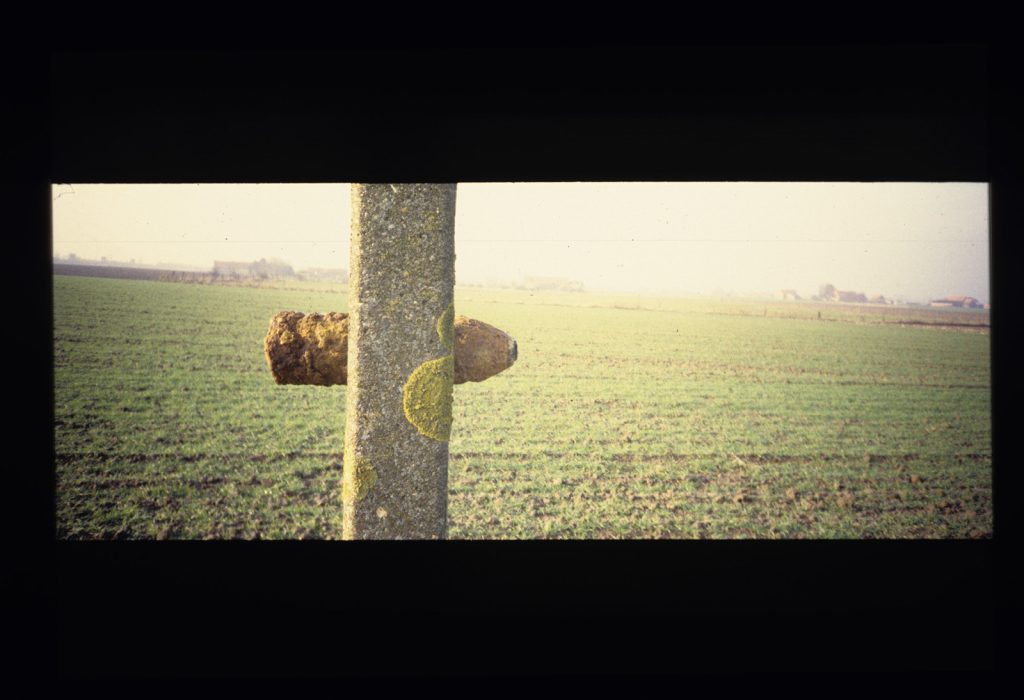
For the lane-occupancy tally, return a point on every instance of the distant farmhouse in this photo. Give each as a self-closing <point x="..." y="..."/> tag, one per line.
<point x="957" y="303"/>
<point x="257" y="269"/>
<point x="787" y="294"/>
<point x="849" y="297"/>
<point x="827" y="292"/>
<point x="559" y="284"/>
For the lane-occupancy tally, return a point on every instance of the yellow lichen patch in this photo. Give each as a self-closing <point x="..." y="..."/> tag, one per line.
<point x="357" y="482"/>
<point x="427" y="398"/>
<point x="392" y="306"/>
<point x="432" y="222"/>
<point x="446" y="327"/>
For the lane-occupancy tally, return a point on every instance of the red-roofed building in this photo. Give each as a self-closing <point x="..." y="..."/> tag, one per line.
<point x="958" y="302"/>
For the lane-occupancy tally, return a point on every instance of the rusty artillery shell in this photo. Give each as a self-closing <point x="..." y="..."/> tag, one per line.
<point x="308" y="348"/>
<point x="313" y="349"/>
<point x="481" y="350"/>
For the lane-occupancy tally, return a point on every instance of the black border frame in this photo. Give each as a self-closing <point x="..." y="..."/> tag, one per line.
<point x="733" y="110"/>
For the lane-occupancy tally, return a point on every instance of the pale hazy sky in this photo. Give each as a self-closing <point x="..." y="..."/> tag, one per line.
<point x="904" y="240"/>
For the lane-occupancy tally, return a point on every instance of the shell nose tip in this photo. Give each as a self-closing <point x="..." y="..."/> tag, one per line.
<point x="513" y="352"/>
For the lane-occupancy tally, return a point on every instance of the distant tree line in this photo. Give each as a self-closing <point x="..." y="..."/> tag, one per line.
<point x="257" y="269"/>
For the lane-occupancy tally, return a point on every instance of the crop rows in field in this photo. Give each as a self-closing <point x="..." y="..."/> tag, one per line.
<point x="623" y="417"/>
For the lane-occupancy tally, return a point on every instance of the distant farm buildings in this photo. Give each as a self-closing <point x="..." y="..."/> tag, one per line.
<point x="828" y="292"/>
<point x="257" y="269"/>
<point x="787" y="294"/>
<point x="957" y="303"/>
<point x="849" y="297"/>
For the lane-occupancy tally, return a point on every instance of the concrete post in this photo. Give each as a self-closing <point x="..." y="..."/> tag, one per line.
<point x="400" y="362"/>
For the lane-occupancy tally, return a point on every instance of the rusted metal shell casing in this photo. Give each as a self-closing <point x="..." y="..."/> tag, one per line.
<point x="308" y="348"/>
<point x="481" y="350"/>
<point x="313" y="349"/>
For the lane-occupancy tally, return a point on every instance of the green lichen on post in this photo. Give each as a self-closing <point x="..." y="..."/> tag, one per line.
<point x="432" y="222"/>
<point x="427" y="398"/>
<point x="360" y="480"/>
<point x="446" y="327"/>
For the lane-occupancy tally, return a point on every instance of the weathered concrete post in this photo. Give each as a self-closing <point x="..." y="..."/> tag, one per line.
<point x="400" y="362"/>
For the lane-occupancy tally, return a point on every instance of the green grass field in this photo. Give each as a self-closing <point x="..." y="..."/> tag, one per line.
<point x="624" y="417"/>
